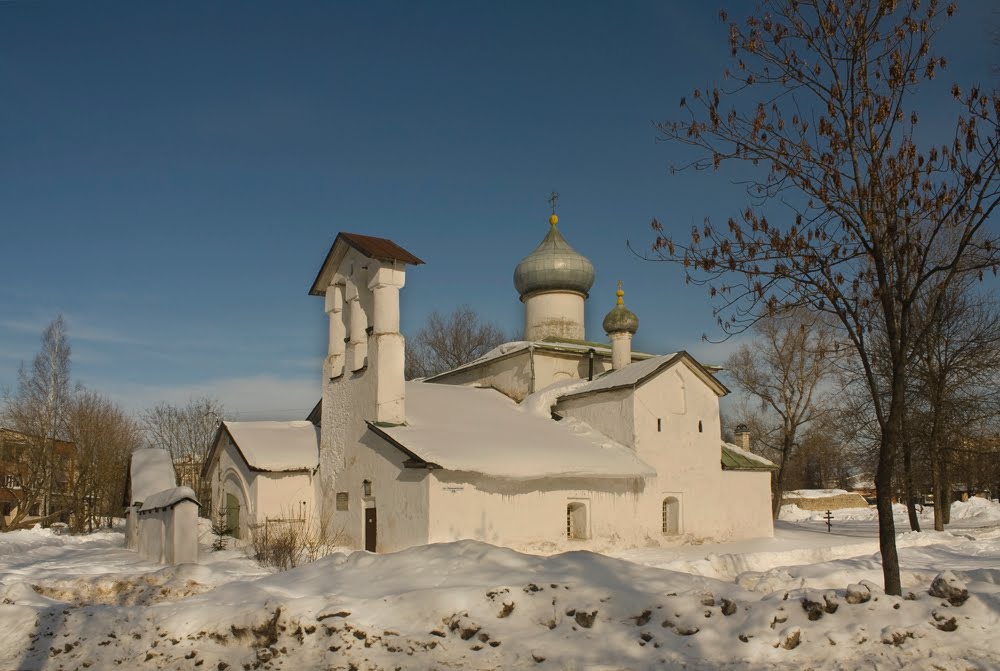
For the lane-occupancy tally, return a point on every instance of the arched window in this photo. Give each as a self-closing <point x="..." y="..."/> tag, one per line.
<point x="671" y="516"/>
<point x="576" y="520"/>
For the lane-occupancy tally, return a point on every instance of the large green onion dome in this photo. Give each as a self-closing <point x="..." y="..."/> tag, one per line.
<point x="554" y="266"/>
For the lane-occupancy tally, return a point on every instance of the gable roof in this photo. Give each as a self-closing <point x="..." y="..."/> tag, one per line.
<point x="737" y="459"/>
<point x="482" y="431"/>
<point x="638" y="373"/>
<point x="381" y="249"/>
<point x="270" y="446"/>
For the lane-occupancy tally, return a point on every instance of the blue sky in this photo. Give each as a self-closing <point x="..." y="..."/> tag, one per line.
<point x="172" y="174"/>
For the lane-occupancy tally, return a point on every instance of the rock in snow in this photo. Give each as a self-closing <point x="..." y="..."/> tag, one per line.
<point x="947" y="586"/>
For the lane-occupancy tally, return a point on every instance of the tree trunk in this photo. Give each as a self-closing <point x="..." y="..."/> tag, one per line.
<point x="883" y="496"/>
<point x="779" y="478"/>
<point x="946" y="487"/>
<point x="911" y="506"/>
<point x="938" y="489"/>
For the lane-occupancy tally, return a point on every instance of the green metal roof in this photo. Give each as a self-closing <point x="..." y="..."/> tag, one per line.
<point x="736" y="460"/>
<point x="554" y="266"/>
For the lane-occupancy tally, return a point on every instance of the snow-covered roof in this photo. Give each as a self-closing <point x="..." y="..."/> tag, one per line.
<point x="276" y="446"/>
<point x="638" y="372"/>
<point x="167" y="498"/>
<point x="482" y="431"/>
<point x="151" y="471"/>
<point x="737" y="459"/>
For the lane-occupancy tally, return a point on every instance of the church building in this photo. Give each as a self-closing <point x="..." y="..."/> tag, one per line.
<point x="550" y="443"/>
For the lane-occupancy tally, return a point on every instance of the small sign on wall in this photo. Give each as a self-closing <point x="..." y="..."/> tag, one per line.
<point x="454" y="488"/>
<point x="342" y="500"/>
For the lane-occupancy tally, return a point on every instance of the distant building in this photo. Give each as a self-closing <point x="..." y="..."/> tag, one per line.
<point x="25" y="483"/>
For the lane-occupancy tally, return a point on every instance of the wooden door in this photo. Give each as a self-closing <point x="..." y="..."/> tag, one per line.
<point x="370" y="529"/>
<point x="233" y="515"/>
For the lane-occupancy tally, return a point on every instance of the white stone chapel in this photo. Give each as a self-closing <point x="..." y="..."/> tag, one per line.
<point x="553" y="442"/>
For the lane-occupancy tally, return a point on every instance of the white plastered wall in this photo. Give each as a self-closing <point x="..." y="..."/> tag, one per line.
<point x="531" y="515"/>
<point x="398" y="494"/>
<point x="672" y="421"/>
<point x="283" y="496"/>
<point x="748" y="509"/>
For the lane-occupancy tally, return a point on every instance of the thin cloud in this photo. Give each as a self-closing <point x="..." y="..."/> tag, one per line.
<point x="253" y="397"/>
<point x="77" y="328"/>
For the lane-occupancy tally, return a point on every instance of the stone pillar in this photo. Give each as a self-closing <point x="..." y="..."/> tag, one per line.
<point x="621" y="349"/>
<point x="388" y="356"/>
<point x="338" y="330"/>
<point x="357" y="322"/>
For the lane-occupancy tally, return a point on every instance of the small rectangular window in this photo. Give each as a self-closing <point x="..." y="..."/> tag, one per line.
<point x="342" y="500"/>
<point x="659" y="424"/>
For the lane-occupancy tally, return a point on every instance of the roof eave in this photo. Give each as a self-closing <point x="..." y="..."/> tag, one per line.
<point x="344" y="241"/>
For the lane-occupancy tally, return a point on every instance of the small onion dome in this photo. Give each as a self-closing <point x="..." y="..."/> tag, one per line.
<point x="621" y="319"/>
<point x="554" y="266"/>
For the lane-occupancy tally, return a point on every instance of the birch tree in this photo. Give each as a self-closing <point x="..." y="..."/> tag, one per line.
<point x="38" y="411"/>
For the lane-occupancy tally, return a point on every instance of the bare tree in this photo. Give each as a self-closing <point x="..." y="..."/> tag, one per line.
<point x="820" y="97"/>
<point x="954" y="387"/>
<point x="37" y="413"/>
<point x="784" y="368"/>
<point x="449" y="341"/>
<point x="103" y="436"/>
<point x="186" y="432"/>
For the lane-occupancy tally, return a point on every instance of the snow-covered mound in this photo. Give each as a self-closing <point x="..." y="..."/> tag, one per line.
<point x="470" y="605"/>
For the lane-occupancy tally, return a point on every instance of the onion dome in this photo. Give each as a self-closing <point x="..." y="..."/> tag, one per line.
<point x="621" y="319"/>
<point x="554" y="266"/>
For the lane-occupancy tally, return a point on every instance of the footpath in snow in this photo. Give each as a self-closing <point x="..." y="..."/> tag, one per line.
<point x="804" y="599"/>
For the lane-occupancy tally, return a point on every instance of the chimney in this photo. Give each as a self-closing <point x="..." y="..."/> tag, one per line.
<point x="743" y="436"/>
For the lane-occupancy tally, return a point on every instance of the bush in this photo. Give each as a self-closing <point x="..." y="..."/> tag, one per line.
<point x="284" y="544"/>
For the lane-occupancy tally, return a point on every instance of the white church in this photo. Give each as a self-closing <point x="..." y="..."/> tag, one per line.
<point x="545" y="444"/>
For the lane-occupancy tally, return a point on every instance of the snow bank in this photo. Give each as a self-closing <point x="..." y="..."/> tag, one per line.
<point x="474" y="606"/>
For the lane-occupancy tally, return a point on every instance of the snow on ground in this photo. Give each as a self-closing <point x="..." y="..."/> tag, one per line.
<point x="804" y="599"/>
